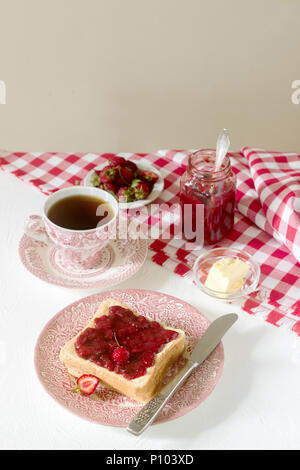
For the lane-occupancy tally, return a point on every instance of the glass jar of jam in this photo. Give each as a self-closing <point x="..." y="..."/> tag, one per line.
<point x="201" y="184"/>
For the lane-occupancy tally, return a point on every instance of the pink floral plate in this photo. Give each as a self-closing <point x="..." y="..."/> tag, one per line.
<point x="109" y="407"/>
<point x="117" y="261"/>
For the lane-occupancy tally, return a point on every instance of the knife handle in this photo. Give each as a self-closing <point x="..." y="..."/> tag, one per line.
<point x="148" y="413"/>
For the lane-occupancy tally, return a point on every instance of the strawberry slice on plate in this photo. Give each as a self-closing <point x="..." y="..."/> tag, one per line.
<point x="87" y="384"/>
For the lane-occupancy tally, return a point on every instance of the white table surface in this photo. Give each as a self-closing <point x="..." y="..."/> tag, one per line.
<point x="256" y="404"/>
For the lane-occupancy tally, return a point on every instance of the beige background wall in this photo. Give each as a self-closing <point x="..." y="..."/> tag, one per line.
<point x="138" y="75"/>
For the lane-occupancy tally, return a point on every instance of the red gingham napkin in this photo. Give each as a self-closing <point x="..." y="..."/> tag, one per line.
<point x="276" y="301"/>
<point x="269" y="194"/>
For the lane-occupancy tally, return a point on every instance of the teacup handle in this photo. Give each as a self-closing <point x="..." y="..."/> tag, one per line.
<point x="34" y="227"/>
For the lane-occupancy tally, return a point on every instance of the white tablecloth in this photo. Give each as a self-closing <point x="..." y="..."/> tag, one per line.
<point x="256" y="404"/>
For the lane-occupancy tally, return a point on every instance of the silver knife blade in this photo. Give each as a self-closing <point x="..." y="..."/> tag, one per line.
<point x="206" y="344"/>
<point x="212" y="337"/>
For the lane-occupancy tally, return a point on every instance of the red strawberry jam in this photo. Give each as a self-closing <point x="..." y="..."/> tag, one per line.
<point x="121" y="330"/>
<point x="215" y="190"/>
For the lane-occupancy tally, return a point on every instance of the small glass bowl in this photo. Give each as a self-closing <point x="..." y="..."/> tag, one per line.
<point x="204" y="263"/>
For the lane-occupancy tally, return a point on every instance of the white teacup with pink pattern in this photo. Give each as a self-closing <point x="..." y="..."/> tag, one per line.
<point x="80" y="247"/>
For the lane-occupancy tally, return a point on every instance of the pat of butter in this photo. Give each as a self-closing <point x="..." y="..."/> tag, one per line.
<point x="227" y="275"/>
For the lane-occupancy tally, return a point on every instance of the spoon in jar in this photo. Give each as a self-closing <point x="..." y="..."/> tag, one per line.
<point x="223" y="144"/>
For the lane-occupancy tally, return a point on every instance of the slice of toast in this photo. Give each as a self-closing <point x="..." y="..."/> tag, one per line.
<point x="141" y="388"/>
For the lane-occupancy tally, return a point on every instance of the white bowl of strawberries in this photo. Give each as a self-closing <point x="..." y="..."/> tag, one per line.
<point x="133" y="183"/>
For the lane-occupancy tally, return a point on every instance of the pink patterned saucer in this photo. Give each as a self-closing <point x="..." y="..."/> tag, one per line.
<point x="117" y="261"/>
<point x="109" y="407"/>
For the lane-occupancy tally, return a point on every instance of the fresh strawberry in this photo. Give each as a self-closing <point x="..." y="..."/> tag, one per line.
<point x="119" y="182"/>
<point x="116" y="161"/>
<point x="110" y="187"/>
<point x="125" y="194"/>
<point x="142" y="191"/>
<point x="108" y="174"/>
<point x="149" y="176"/>
<point x="86" y="384"/>
<point x="121" y="354"/>
<point x="126" y="174"/>
<point x="131" y="165"/>
<point x="135" y="182"/>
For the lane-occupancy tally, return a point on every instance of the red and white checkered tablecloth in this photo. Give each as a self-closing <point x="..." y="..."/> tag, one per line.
<point x="278" y="299"/>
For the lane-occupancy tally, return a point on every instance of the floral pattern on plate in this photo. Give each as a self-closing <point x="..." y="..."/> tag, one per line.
<point x="119" y="260"/>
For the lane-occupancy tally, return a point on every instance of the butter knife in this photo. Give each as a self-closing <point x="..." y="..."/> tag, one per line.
<point x="207" y="343"/>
